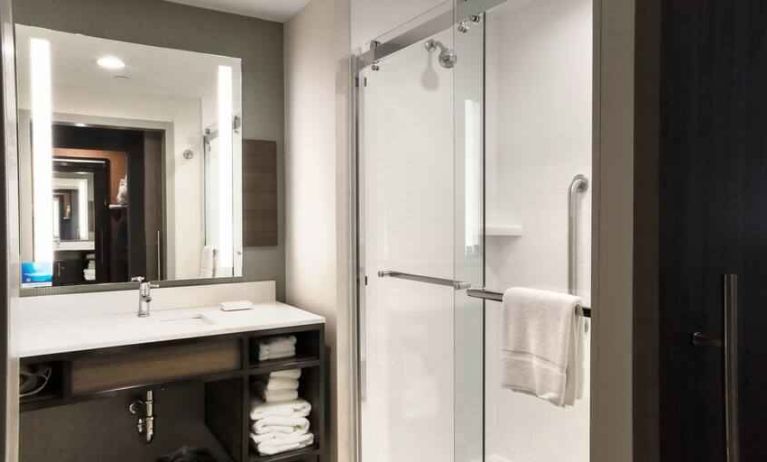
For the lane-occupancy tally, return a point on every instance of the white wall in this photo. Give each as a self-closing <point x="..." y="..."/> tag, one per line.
<point x="539" y="115"/>
<point x="318" y="221"/>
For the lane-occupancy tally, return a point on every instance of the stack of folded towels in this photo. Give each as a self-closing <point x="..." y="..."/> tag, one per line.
<point x="279" y="417"/>
<point x="277" y="348"/>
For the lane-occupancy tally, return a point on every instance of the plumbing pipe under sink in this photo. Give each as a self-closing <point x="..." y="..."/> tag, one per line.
<point x="144" y="409"/>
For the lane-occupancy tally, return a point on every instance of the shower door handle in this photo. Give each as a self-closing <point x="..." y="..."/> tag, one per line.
<point x="457" y="285"/>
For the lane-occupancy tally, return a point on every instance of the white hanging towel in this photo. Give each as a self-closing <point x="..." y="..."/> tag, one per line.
<point x="207" y="262"/>
<point x="542" y="345"/>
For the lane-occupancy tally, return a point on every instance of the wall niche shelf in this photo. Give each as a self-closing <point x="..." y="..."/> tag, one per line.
<point x="495" y="230"/>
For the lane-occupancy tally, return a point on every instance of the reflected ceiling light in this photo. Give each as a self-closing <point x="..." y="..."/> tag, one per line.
<point x="112" y="63"/>
<point x="80" y="124"/>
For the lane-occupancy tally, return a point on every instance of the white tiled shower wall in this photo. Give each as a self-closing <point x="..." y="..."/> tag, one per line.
<point x="539" y="77"/>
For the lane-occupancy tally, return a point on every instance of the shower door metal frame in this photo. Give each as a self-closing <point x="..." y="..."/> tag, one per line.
<point x="462" y="10"/>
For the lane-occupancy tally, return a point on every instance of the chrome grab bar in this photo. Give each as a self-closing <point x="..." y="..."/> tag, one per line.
<point x="457" y="285"/>
<point x="579" y="184"/>
<point x="498" y="297"/>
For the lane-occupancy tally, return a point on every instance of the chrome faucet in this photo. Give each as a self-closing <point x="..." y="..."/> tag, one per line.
<point x="144" y="295"/>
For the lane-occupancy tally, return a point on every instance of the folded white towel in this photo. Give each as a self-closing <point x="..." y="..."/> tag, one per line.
<point x="267" y="355"/>
<point x="278" y="383"/>
<point x="280" y="445"/>
<point x="294" y="374"/>
<point x="542" y="344"/>
<point x="256" y="438"/>
<point x="278" y="342"/>
<point x="281" y="425"/>
<point x="296" y="408"/>
<point x="279" y="396"/>
<point x="277" y="348"/>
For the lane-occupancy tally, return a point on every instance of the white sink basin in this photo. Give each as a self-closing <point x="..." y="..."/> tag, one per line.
<point x="181" y="318"/>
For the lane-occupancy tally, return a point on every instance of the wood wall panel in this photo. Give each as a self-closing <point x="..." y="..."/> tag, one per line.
<point x="259" y="193"/>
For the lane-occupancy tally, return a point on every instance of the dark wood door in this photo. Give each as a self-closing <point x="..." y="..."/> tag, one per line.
<point x="713" y="210"/>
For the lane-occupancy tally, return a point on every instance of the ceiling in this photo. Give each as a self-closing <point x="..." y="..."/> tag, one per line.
<point x="272" y="10"/>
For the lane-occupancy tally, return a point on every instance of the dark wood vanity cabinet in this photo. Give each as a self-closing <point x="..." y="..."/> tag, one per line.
<point x="225" y="365"/>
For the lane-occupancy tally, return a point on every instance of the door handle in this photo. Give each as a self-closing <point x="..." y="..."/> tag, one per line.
<point x="457" y="285"/>
<point x="729" y="343"/>
<point x="699" y="339"/>
<point x="731" y="376"/>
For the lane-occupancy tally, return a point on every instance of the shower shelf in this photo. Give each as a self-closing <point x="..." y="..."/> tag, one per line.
<point x="504" y="230"/>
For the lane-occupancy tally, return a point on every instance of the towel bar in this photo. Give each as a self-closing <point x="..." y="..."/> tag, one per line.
<point x="498" y="297"/>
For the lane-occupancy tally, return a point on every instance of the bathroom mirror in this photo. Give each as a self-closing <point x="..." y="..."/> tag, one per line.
<point x="129" y="161"/>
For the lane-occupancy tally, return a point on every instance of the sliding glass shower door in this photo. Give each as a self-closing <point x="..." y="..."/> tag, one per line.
<point x="421" y="243"/>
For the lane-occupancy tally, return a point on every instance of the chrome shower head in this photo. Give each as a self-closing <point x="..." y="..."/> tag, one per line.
<point x="447" y="57"/>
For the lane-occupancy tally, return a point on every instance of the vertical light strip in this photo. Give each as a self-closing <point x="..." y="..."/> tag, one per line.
<point x="42" y="148"/>
<point x="473" y="175"/>
<point x="225" y="181"/>
<point x="82" y="209"/>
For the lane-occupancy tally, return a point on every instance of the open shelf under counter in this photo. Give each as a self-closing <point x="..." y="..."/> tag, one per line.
<point x="226" y="364"/>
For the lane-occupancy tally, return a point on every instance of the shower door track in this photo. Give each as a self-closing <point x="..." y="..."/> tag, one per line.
<point x="440" y="22"/>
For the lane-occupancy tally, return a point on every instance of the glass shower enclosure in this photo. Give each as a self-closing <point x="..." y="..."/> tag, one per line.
<point x="432" y="132"/>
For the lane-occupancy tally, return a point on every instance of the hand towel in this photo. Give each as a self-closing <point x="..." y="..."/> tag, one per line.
<point x="280" y="445"/>
<point x="541" y="347"/>
<point x="281" y="425"/>
<point x="278" y="383"/>
<point x="207" y="262"/>
<point x="296" y="408"/>
<point x="294" y="374"/>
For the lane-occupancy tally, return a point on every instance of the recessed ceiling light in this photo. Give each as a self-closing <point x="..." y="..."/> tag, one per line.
<point x="111" y="63"/>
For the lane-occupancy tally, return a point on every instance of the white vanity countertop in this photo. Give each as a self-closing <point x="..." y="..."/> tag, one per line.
<point x="121" y="329"/>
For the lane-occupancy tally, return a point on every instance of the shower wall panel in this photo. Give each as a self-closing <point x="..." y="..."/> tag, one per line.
<point x="539" y="96"/>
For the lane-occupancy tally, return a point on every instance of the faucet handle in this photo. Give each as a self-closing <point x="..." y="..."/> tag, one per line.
<point x="138" y="279"/>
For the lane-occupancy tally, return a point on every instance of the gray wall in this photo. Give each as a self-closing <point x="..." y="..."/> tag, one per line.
<point x="155" y="22"/>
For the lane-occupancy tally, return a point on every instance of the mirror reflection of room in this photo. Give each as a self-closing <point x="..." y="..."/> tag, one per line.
<point x="113" y="229"/>
<point x="129" y="157"/>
